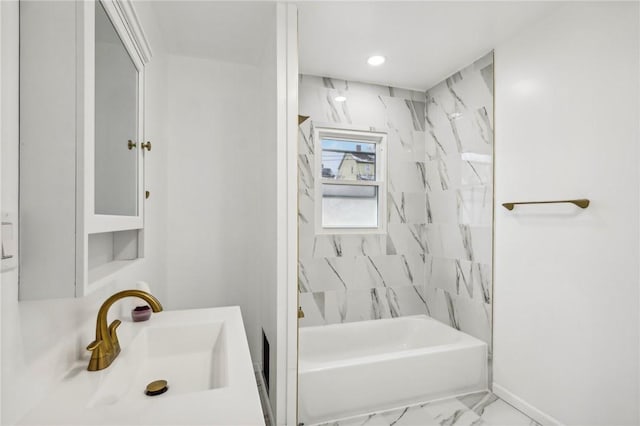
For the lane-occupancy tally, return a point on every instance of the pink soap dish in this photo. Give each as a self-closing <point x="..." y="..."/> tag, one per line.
<point x="141" y="313"/>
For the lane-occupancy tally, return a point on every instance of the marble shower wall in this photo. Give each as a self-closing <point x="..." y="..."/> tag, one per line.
<point x="459" y="164"/>
<point x="436" y="257"/>
<point x="344" y="278"/>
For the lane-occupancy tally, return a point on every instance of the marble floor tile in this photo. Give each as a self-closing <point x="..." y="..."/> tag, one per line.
<point x="495" y="411"/>
<point x="452" y="412"/>
<point x="410" y="416"/>
<point x="478" y="409"/>
<point x="371" y="420"/>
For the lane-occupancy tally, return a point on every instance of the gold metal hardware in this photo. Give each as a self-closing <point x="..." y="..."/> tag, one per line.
<point x="105" y="348"/>
<point x="583" y="203"/>
<point x="147" y="194"/>
<point x="131" y="144"/>
<point x="146" y="145"/>
<point x="300" y="312"/>
<point x="302" y="119"/>
<point x="156" y="387"/>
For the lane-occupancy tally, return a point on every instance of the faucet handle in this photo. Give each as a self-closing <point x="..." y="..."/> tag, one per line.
<point x="95" y="345"/>
<point x="115" y="344"/>
<point x="112" y="327"/>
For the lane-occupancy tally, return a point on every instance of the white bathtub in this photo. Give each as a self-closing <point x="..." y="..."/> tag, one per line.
<point x="362" y="367"/>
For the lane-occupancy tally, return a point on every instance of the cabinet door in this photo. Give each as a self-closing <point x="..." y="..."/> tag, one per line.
<point x="81" y="90"/>
<point x="113" y="119"/>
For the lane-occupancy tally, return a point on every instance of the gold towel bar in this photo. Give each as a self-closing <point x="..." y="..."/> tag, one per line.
<point x="583" y="203"/>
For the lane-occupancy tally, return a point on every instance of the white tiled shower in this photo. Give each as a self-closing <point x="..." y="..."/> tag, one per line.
<point x="436" y="257"/>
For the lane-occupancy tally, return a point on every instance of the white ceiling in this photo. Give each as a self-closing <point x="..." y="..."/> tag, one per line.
<point x="228" y="31"/>
<point x="424" y="42"/>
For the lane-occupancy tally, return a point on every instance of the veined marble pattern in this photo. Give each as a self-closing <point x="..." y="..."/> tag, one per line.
<point x="459" y="199"/>
<point x="346" y="278"/>
<point x="436" y="256"/>
<point x="406" y="207"/>
<point x="478" y="409"/>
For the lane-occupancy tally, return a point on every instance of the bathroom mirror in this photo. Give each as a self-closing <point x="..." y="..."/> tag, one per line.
<point x="116" y="122"/>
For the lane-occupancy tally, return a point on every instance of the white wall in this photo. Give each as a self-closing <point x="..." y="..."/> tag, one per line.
<point x="12" y="104"/>
<point x="286" y="125"/>
<point x="267" y="289"/>
<point x="222" y="193"/>
<point x="42" y="339"/>
<point x="566" y="280"/>
<point x="9" y="32"/>
<point x="219" y="166"/>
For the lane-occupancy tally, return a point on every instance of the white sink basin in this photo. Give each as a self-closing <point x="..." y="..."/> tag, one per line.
<point x="203" y="355"/>
<point x="190" y="358"/>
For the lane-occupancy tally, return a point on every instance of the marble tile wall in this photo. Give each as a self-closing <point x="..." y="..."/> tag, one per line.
<point x="459" y="199"/>
<point x="345" y="278"/>
<point x="436" y="256"/>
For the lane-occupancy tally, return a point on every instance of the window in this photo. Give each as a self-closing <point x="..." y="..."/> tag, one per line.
<point x="351" y="191"/>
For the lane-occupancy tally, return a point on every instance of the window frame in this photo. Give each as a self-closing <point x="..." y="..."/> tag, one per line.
<point x="379" y="138"/>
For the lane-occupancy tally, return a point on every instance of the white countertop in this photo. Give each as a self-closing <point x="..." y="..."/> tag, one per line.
<point x="236" y="403"/>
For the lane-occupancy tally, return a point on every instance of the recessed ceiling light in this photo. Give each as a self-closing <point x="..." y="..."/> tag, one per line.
<point x="340" y="98"/>
<point x="376" y="60"/>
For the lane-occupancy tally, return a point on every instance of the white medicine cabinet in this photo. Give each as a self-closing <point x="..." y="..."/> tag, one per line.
<point x="82" y="144"/>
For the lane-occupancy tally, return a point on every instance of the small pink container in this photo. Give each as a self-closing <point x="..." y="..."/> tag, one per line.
<point x="141" y="313"/>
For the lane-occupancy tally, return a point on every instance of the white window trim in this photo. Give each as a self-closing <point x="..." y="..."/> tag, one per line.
<point x="377" y="137"/>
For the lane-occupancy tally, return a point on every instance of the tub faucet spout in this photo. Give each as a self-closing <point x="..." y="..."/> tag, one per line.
<point x="106" y="346"/>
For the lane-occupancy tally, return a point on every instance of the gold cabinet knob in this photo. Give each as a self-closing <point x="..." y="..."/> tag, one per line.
<point x="131" y="144"/>
<point x="146" y="145"/>
<point x="300" y="312"/>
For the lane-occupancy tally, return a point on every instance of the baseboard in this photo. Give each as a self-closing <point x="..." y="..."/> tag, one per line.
<point x="528" y="409"/>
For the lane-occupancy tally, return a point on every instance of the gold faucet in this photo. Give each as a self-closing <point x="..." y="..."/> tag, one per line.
<point x="106" y="346"/>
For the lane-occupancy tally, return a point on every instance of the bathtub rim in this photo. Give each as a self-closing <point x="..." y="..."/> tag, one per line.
<point x="371" y="359"/>
<point x="467" y="341"/>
